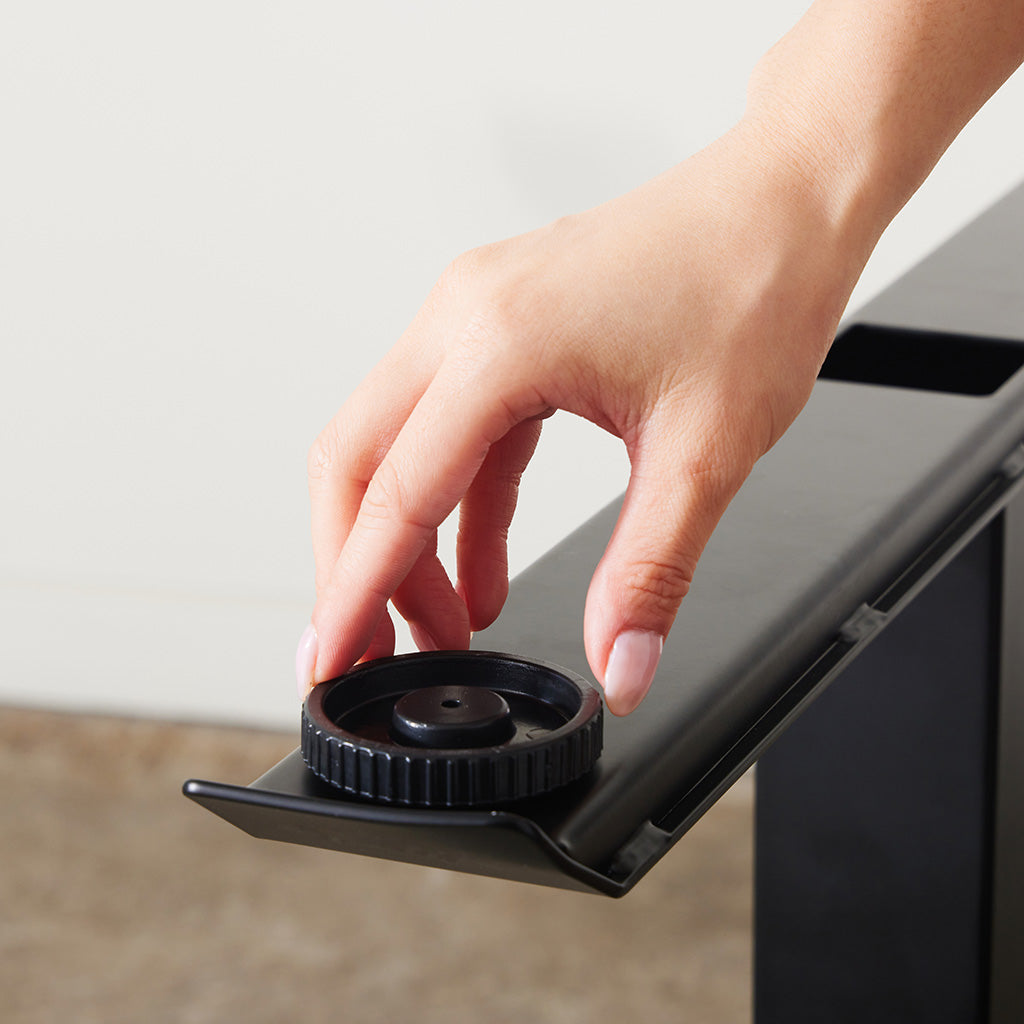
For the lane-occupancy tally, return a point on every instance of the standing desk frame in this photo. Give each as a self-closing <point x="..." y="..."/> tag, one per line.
<point x="857" y="623"/>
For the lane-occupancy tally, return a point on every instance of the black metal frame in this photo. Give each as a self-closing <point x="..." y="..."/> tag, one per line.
<point x="1006" y="909"/>
<point x="887" y="864"/>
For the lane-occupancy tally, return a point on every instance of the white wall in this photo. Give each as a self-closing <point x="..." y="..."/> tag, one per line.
<point x="215" y="217"/>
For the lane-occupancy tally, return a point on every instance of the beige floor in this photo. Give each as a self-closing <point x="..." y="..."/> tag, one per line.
<point x="122" y="901"/>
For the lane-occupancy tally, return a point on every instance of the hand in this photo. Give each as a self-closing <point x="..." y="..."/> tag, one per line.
<point x="689" y="318"/>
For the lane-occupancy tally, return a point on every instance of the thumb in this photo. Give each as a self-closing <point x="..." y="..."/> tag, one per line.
<point x="673" y="502"/>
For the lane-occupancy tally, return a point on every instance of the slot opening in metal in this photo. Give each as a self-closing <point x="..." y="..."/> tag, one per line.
<point x="922" y="360"/>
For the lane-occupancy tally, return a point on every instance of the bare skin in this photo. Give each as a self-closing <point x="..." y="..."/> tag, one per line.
<point x="688" y="317"/>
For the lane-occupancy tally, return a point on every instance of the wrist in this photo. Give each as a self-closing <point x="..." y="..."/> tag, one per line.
<point x="817" y="173"/>
<point x="807" y="218"/>
<point x="862" y="99"/>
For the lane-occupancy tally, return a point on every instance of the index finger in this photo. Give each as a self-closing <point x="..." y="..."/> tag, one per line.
<point x="421" y="479"/>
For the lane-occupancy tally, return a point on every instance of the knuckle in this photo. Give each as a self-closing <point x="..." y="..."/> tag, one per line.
<point x="453" y="278"/>
<point x="384" y="498"/>
<point x="709" y="478"/>
<point x="508" y="337"/>
<point x="714" y="472"/>
<point x="470" y="262"/>
<point x="389" y="500"/>
<point x="497" y="323"/>
<point x="324" y="455"/>
<point x="508" y="310"/>
<point x="660" y="584"/>
<point x="470" y="269"/>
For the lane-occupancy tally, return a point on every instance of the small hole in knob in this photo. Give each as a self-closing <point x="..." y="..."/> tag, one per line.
<point x="451" y="703"/>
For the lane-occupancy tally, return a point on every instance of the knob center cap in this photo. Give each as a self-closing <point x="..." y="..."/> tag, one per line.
<point x="452" y="716"/>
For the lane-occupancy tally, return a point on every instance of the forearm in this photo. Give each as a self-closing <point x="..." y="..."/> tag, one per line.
<point x="864" y="97"/>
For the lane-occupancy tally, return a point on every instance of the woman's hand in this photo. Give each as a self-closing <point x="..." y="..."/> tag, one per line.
<point x="689" y="318"/>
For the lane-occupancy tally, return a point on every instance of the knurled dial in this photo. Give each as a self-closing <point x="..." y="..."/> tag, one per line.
<point x="452" y="729"/>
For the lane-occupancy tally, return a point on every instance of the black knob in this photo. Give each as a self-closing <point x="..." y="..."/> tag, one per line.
<point x="452" y="729"/>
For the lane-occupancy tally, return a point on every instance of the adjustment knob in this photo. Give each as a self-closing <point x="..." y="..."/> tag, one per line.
<point x="452" y="729"/>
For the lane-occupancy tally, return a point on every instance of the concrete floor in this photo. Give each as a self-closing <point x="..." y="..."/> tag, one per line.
<point x="122" y="901"/>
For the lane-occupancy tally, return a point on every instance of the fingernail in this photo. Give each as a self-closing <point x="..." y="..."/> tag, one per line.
<point x="630" y="669"/>
<point x="422" y="639"/>
<point x="305" y="660"/>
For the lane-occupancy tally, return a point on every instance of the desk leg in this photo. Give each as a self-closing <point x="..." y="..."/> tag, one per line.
<point x="1007" y="951"/>
<point x="890" y="817"/>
